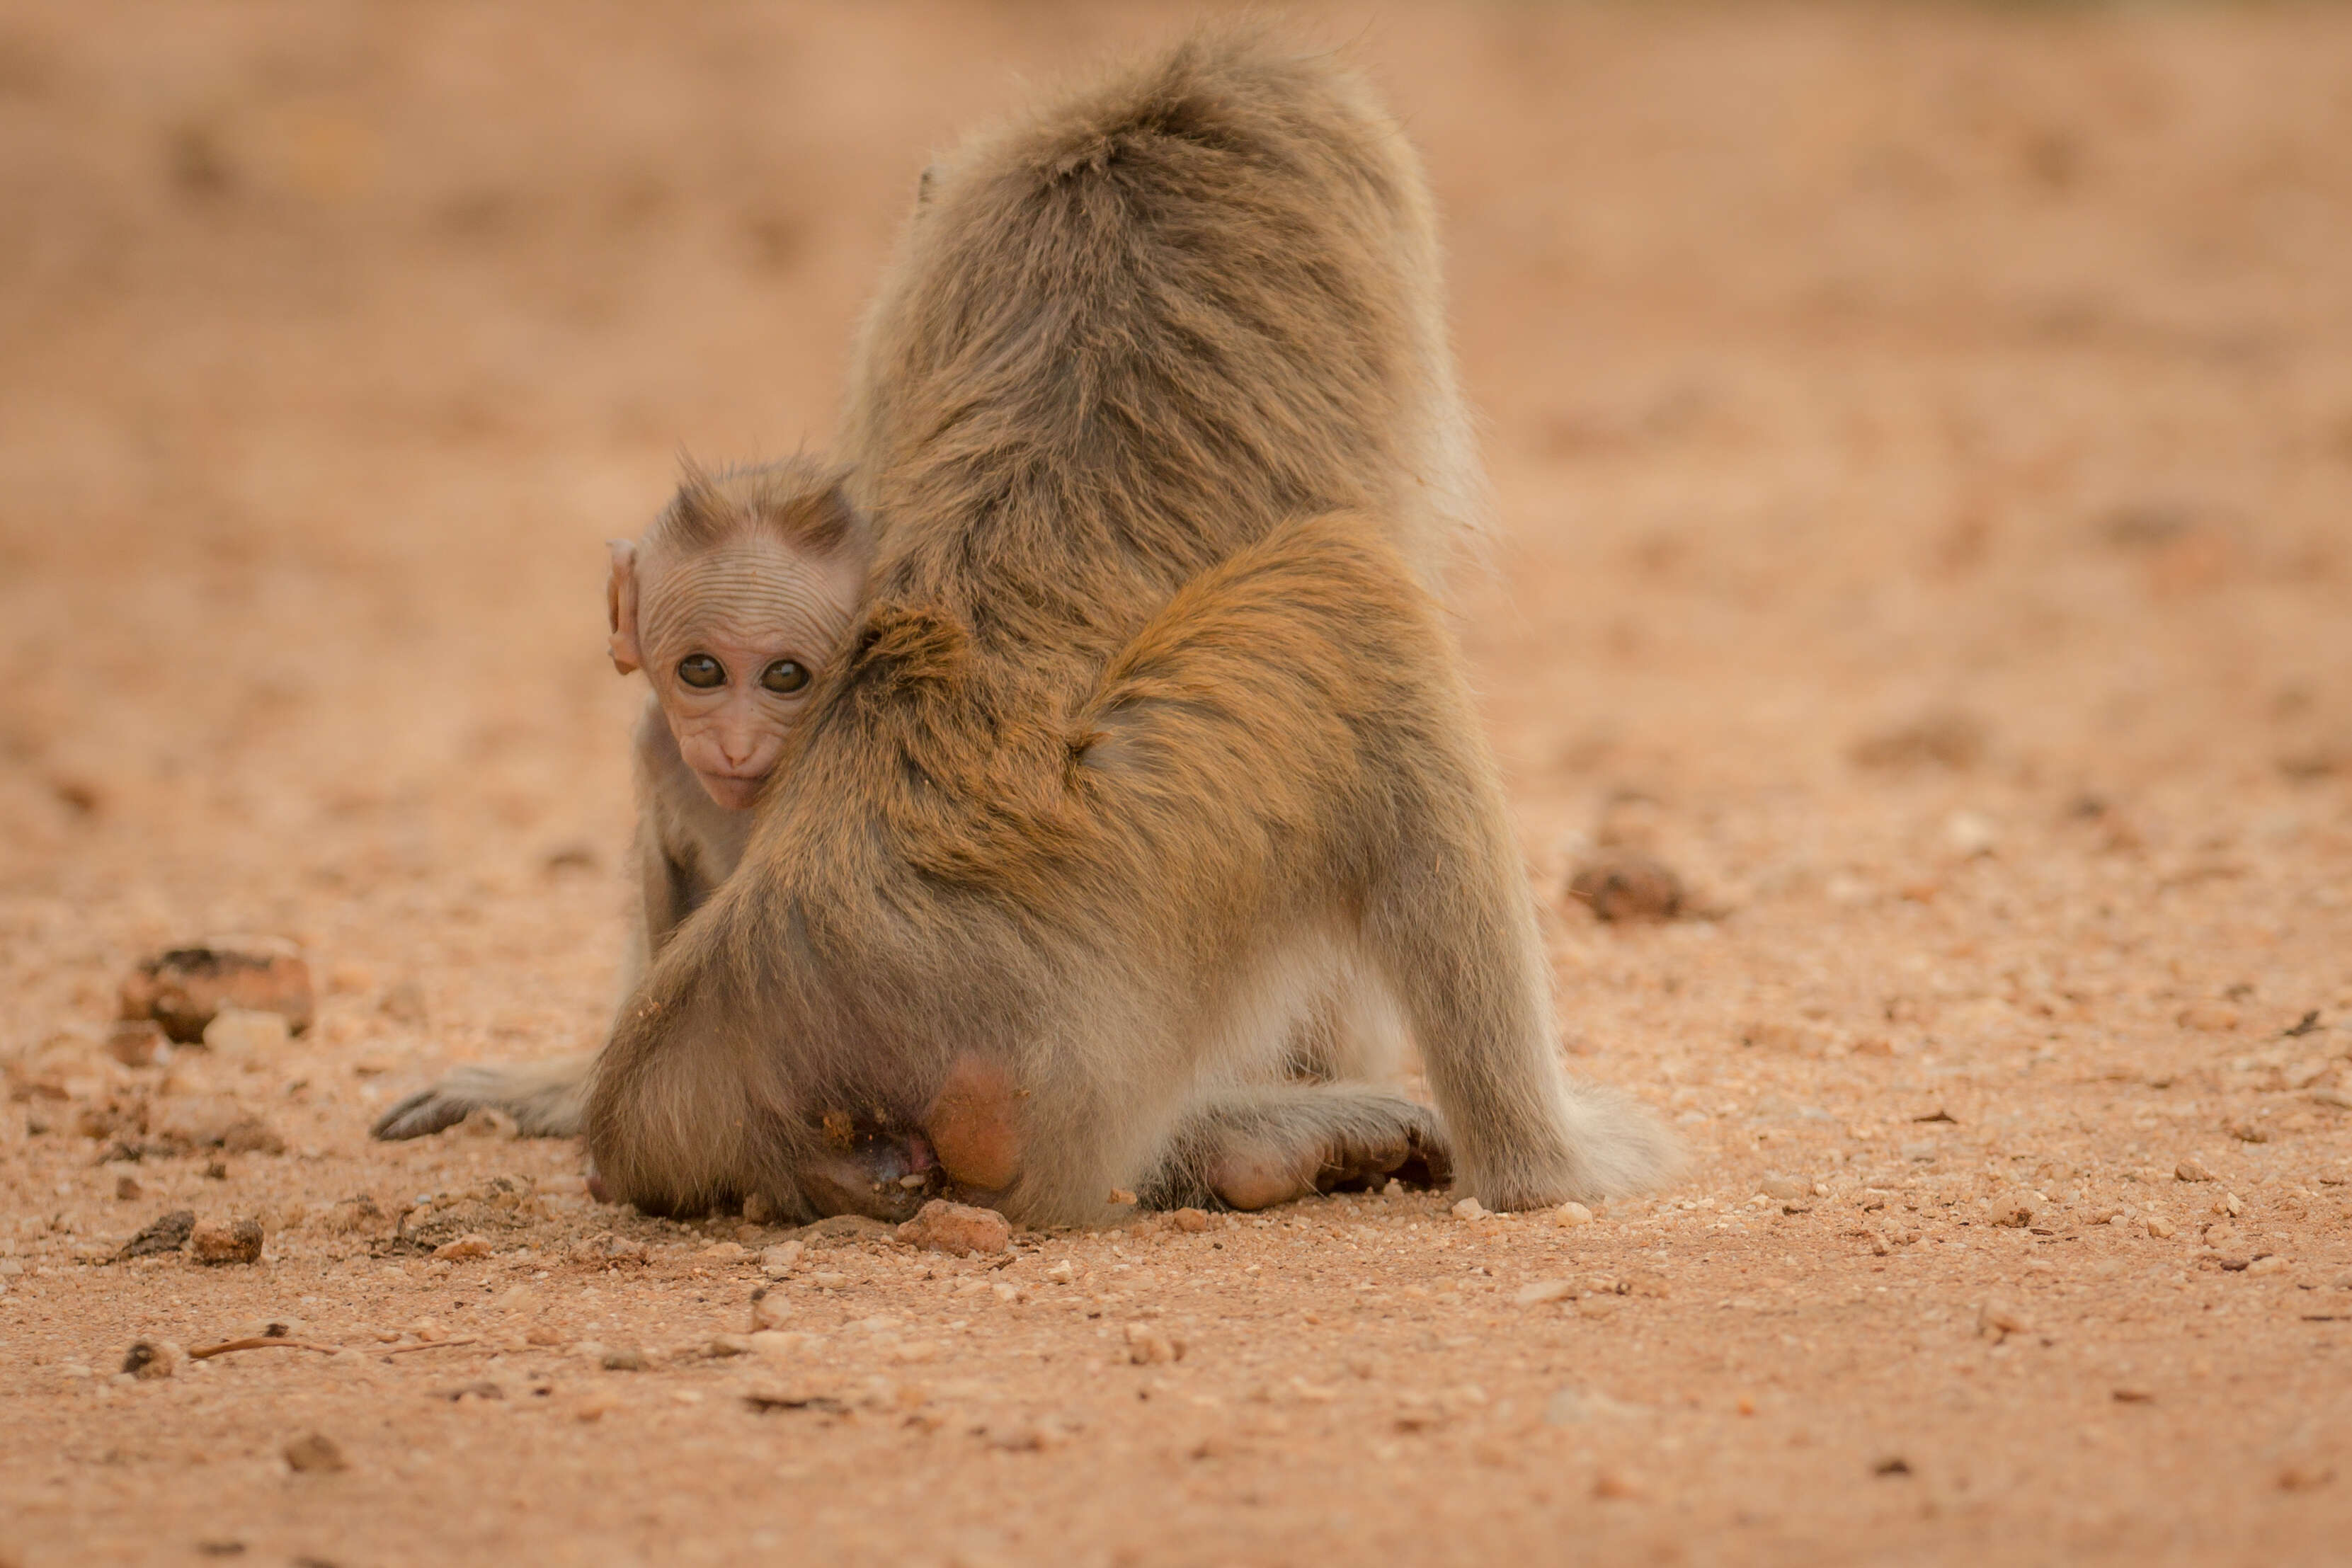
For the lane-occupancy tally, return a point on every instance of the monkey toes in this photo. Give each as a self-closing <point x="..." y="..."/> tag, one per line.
<point x="426" y="1112"/>
<point x="1274" y="1168"/>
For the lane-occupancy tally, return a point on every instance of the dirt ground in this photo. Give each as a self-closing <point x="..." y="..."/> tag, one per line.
<point x="1924" y="437"/>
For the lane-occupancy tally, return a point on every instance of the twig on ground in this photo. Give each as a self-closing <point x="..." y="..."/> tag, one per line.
<point x="260" y="1342"/>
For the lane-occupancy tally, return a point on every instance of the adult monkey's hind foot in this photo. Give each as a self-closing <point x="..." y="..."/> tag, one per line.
<point x="546" y="1098"/>
<point x="1254" y="1148"/>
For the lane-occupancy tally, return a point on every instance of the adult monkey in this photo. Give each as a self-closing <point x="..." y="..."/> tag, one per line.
<point x="1147" y="739"/>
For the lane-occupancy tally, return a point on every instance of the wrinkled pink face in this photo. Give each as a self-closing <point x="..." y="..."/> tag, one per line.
<point x="733" y="640"/>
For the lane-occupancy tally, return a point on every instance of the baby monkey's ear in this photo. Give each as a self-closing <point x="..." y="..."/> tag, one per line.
<point x="621" y="605"/>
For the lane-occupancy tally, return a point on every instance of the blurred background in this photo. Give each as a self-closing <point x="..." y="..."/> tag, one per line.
<point x="1921" y="429"/>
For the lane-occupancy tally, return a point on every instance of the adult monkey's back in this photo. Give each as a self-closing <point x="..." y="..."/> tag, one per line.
<point x="1150" y="781"/>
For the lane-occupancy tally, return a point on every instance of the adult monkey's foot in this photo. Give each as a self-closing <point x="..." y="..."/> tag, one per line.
<point x="1251" y="1149"/>
<point x="546" y="1098"/>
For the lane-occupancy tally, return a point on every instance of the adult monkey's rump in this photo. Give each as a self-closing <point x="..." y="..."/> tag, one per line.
<point x="1149" y="779"/>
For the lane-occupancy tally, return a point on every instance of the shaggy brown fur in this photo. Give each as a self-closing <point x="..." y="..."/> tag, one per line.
<point x="1148" y="736"/>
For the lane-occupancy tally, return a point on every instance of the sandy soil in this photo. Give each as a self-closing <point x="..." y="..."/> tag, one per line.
<point x="1925" y="440"/>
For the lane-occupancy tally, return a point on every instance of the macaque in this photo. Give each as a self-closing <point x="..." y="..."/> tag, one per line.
<point x="1144" y="817"/>
<point x="734" y="604"/>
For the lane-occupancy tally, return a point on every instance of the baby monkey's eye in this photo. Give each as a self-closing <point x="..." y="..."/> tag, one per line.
<point x="783" y="676"/>
<point x="701" y="672"/>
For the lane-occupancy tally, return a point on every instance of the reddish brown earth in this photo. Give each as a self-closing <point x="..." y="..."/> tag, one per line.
<point x="1925" y="444"/>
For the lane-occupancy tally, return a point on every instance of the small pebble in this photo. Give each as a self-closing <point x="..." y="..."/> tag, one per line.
<point x="314" y="1453"/>
<point x="127" y="1187"/>
<point x="1543" y="1290"/>
<point x="353" y="1214"/>
<point x="958" y="1229"/>
<point x="607" y="1247"/>
<point x="236" y="1239"/>
<point x="1998" y="1320"/>
<point x="2192" y="1169"/>
<point x="1192" y="1221"/>
<point x="185" y="989"/>
<point x="777" y="1262"/>
<point x="240" y="1032"/>
<point x="624" y="1361"/>
<point x="2014" y="1212"/>
<point x="1063" y="1273"/>
<point x="150" y="1360"/>
<point x="1570" y="1215"/>
<point x="1611" y="1482"/>
<point x="2159" y="1226"/>
<point x="1787" y="1188"/>
<point x="1146" y="1346"/>
<point x="2304" y="1476"/>
<point x="138" y="1043"/>
<point x="725" y="1252"/>
<point x="2134" y="1394"/>
<point x="465" y="1245"/>
<point x="770" y="1309"/>
<point x="2269" y="1263"/>
<point x="1625" y="887"/>
<point x="1970" y="833"/>
<point x="1470" y="1208"/>
<point x="773" y="1344"/>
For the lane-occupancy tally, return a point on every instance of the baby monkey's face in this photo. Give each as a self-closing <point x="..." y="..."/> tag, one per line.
<point x="738" y="598"/>
<point x="733" y="638"/>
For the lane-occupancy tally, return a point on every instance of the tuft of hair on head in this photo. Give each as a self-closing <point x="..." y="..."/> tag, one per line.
<point x="800" y="501"/>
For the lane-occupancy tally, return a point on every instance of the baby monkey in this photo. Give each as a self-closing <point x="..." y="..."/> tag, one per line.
<point x="734" y="604"/>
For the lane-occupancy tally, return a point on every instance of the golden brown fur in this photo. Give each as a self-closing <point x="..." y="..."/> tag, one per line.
<point x="1149" y="739"/>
